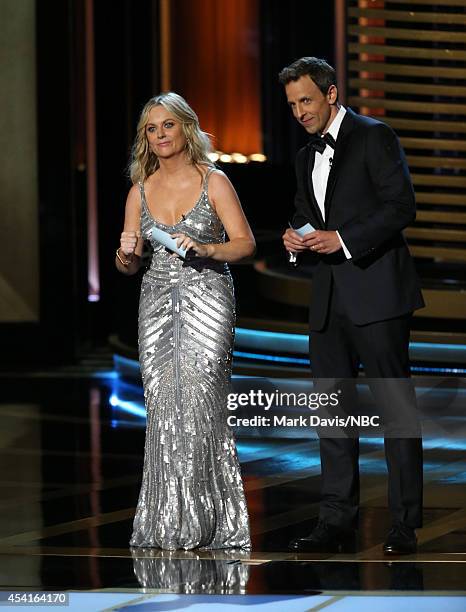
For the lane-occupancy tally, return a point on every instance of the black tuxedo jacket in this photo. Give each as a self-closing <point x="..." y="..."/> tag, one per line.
<point x="369" y="200"/>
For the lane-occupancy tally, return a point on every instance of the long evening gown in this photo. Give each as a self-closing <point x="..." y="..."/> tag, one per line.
<point x="192" y="492"/>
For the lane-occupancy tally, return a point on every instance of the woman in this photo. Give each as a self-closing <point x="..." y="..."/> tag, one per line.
<point x="192" y="493"/>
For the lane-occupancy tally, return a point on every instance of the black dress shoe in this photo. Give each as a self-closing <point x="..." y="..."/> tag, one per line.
<point x="325" y="538"/>
<point x="401" y="540"/>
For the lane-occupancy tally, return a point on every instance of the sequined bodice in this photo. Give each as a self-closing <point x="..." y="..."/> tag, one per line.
<point x="201" y="223"/>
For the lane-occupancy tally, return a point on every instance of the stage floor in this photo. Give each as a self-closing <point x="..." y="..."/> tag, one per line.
<point x="70" y="466"/>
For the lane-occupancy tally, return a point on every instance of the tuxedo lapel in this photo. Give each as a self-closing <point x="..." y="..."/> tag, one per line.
<point x="341" y="143"/>
<point x="314" y="207"/>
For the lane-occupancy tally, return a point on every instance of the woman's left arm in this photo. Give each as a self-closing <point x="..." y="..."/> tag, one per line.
<point x="226" y="203"/>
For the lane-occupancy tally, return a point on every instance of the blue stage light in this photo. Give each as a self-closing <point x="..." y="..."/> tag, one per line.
<point x="262" y="340"/>
<point x="277" y="358"/>
<point x="250" y="334"/>
<point x="105" y="375"/>
<point x="438" y="370"/>
<point x="438" y="345"/>
<point x="127" y="406"/>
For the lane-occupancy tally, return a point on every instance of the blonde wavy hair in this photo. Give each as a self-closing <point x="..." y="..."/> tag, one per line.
<point x="145" y="162"/>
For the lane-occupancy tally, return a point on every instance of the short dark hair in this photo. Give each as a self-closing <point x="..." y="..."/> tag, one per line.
<point x="317" y="69"/>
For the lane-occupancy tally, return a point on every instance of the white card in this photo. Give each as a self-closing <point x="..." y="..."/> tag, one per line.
<point x="167" y="241"/>
<point x="305" y="229"/>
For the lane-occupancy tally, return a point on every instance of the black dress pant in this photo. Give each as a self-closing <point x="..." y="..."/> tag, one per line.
<point x="382" y="348"/>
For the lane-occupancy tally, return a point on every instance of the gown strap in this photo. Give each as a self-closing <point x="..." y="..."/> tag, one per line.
<point x="207" y="176"/>
<point x="140" y="184"/>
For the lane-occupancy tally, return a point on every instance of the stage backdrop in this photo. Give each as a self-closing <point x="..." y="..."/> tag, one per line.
<point x="19" y="263"/>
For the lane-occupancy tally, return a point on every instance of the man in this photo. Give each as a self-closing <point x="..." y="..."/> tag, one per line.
<point x="353" y="186"/>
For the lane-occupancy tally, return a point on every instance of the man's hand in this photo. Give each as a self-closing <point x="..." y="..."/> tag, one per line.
<point x="322" y="242"/>
<point x="293" y="241"/>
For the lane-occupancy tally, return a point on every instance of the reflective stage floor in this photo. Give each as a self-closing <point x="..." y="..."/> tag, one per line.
<point x="70" y="465"/>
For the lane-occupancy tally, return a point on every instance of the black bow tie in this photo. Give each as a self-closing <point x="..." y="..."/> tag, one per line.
<point x="318" y="143"/>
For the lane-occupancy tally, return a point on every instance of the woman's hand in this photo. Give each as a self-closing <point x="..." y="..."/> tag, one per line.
<point x="128" y="242"/>
<point x="187" y="243"/>
<point x="128" y="256"/>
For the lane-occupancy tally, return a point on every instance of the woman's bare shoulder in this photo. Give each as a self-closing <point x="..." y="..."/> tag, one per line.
<point x="219" y="181"/>
<point x="134" y="196"/>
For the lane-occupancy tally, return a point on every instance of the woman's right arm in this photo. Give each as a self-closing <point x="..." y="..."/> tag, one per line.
<point x="128" y="258"/>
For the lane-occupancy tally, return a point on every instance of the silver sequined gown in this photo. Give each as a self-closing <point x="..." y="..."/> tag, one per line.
<point x="192" y="493"/>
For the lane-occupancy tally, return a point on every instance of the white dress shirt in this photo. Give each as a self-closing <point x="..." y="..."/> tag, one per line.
<point x="322" y="164"/>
